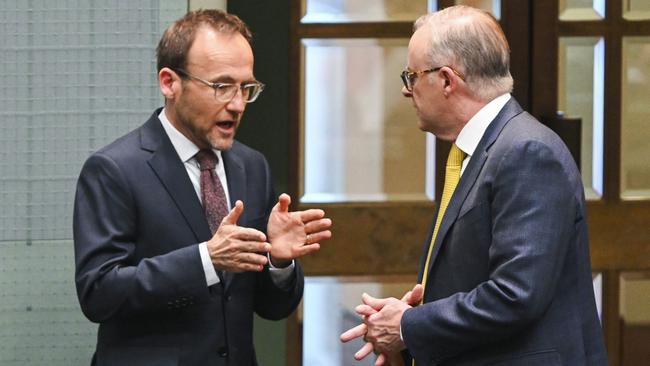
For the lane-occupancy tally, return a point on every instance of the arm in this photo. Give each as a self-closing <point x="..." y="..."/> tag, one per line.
<point x="532" y="211"/>
<point x="110" y="279"/>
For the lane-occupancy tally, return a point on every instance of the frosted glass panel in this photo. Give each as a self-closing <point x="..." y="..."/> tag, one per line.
<point x="581" y="80"/>
<point x="635" y="317"/>
<point x="361" y="140"/>
<point x="493" y="6"/>
<point x="635" y="113"/>
<point x="582" y="9"/>
<point x="74" y="75"/>
<point x="636" y="9"/>
<point x="328" y="311"/>
<point x="344" y="11"/>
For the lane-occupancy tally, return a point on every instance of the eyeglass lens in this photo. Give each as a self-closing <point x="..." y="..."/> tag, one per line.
<point x="407" y="79"/>
<point x="226" y="92"/>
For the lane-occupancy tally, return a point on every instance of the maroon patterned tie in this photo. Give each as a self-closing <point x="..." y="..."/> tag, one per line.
<point x="215" y="205"/>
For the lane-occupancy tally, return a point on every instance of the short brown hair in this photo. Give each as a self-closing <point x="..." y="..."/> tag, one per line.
<point x="175" y="43"/>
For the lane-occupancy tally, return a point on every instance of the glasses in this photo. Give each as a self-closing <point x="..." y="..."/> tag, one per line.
<point x="225" y="92"/>
<point x="409" y="77"/>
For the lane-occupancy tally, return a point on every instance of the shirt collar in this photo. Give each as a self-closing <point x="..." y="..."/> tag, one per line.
<point x="473" y="131"/>
<point x="185" y="148"/>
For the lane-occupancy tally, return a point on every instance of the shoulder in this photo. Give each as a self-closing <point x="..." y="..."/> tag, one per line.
<point x="246" y="155"/>
<point x="527" y="143"/>
<point x="244" y="151"/>
<point x="125" y="153"/>
<point x="524" y="132"/>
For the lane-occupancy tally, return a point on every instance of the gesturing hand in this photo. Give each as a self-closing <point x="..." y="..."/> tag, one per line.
<point x="237" y="249"/>
<point x="294" y="234"/>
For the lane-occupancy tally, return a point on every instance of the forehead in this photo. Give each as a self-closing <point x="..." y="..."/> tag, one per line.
<point x="217" y="52"/>
<point x="418" y="47"/>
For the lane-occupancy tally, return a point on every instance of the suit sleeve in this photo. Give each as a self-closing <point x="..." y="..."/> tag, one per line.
<point x="110" y="282"/>
<point x="533" y="206"/>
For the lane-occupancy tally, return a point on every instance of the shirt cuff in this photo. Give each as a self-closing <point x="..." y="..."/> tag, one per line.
<point x="211" y="277"/>
<point x="281" y="277"/>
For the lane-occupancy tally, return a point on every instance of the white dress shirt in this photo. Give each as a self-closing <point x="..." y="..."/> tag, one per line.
<point x="473" y="131"/>
<point x="186" y="150"/>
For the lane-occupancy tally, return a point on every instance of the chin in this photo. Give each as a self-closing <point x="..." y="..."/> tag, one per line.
<point x="221" y="144"/>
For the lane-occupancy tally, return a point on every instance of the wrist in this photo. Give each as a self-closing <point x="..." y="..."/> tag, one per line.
<point x="278" y="263"/>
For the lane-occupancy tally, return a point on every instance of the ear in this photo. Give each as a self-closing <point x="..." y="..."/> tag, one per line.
<point x="450" y="78"/>
<point x="169" y="83"/>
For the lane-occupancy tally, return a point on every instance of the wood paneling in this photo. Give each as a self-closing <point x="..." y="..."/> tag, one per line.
<point x="619" y="235"/>
<point x="369" y="239"/>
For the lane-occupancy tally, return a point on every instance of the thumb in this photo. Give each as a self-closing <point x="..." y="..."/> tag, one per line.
<point x="283" y="203"/>
<point x="233" y="215"/>
<point x="416" y="295"/>
<point x="376" y="304"/>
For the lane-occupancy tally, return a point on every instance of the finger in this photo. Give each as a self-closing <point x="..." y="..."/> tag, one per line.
<point x="306" y="249"/>
<point x="376" y="304"/>
<point x="364" y="310"/>
<point x="319" y="236"/>
<point x="251" y="259"/>
<point x="257" y="247"/>
<point x="233" y="215"/>
<point x="381" y="360"/>
<point x="353" y="333"/>
<point x="318" y="225"/>
<point x="242" y="264"/>
<point x="248" y="234"/>
<point x="244" y="267"/>
<point x="311" y="215"/>
<point x="363" y="351"/>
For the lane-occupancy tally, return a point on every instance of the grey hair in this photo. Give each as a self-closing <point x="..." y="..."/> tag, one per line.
<point x="471" y="41"/>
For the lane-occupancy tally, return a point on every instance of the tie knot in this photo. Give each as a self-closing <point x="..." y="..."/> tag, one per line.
<point x="456" y="156"/>
<point x="207" y="159"/>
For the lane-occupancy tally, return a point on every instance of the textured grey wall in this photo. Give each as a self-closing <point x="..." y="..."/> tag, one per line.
<point x="74" y="75"/>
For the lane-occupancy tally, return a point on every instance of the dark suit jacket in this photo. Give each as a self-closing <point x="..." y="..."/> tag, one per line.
<point x="510" y="276"/>
<point x="137" y="225"/>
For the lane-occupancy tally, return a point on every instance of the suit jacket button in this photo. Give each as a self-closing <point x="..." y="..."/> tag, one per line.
<point x="223" y="351"/>
<point x="229" y="297"/>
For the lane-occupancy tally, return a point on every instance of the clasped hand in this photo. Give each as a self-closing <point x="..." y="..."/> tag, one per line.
<point x="381" y="326"/>
<point x="236" y="248"/>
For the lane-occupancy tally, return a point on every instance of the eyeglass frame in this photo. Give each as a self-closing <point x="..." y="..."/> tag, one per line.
<point x="409" y="77"/>
<point x="216" y="86"/>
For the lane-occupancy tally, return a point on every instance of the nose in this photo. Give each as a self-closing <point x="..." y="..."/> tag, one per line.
<point x="237" y="103"/>
<point x="406" y="92"/>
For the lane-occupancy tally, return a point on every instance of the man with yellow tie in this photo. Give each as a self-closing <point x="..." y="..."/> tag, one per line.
<point x="505" y="273"/>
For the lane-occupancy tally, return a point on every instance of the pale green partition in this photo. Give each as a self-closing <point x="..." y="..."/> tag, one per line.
<point x="74" y="75"/>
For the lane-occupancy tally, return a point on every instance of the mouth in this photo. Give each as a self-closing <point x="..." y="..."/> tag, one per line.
<point x="226" y="126"/>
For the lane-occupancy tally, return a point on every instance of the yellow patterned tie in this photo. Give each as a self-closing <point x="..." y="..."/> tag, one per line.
<point x="452" y="176"/>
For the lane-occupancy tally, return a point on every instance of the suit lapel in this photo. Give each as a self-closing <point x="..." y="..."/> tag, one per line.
<point x="468" y="179"/>
<point x="236" y="176"/>
<point x="171" y="172"/>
